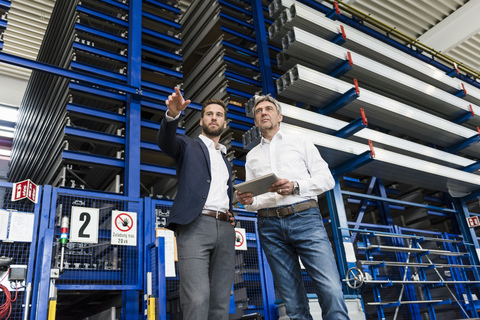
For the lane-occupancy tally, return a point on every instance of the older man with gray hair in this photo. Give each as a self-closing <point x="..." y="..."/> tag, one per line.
<point x="290" y="225"/>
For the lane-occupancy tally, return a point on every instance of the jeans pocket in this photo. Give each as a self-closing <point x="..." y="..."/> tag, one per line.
<point x="260" y="222"/>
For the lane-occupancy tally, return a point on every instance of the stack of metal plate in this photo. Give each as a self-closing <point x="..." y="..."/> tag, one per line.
<point x="79" y="133"/>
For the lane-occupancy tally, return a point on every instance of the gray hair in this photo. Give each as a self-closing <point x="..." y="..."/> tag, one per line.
<point x="269" y="98"/>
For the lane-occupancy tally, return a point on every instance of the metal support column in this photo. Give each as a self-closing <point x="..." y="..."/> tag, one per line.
<point x="345" y="253"/>
<point x="262" y="48"/>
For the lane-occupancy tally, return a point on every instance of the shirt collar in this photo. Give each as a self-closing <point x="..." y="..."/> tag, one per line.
<point x="210" y="144"/>
<point x="278" y="135"/>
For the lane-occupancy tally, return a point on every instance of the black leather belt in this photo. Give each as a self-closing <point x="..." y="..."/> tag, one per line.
<point x="215" y="214"/>
<point x="281" y="212"/>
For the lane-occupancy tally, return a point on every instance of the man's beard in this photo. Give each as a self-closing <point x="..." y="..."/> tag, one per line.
<point x="212" y="132"/>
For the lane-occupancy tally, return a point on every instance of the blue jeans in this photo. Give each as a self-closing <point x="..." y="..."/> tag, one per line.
<point x="303" y="235"/>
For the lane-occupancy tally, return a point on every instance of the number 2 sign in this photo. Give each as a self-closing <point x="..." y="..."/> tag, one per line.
<point x="84" y="225"/>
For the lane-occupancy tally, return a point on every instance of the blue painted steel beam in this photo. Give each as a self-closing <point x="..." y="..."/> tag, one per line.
<point x="99" y="52"/>
<point x="159" y="69"/>
<point x="403" y="203"/>
<point x="162" y="53"/>
<point x="45" y="264"/>
<point x="241" y="63"/>
<point x="116" y="3"/>
<point x="242" y="118"/>
<point x="351" y="128"/>
<point x="236" y="144"/>
<point x="98" y="71"/>
<point x="464" y="118"/>
<point x="162" y="36"/>
<point x="5" y="4"/>
<point x="235" y="20"/>
<point x="96" y="113"/>
<point x="154" y="105"/>
<point x="340" y="102"/>
<point x="342" y="69"/>
<point x="157" y="169"/>
<point x="95" y="91"/>
<point x="3" y="24"/>
<point x="1" y="45"/>
<point x="94" y="135"/>
<point x="261" y="40"/>
<point x="97" y="32"/>
<point x="133" y="113"/>
<point x="341" y="237"/>
<point x="472" y="167"/>
<point x="101" y="16"/>
<point x="92" y="159"/>
<point x="373" y="203"/>
<point x="238" y="77"/>
<point x="239" y="93"/>
<point x="149" y="145"/>
<point x="162" y="20"/>
<point x="234" y="7"/>
<point x="162" y="5"/>
<point x="39" y="66"/>
<point x="238" y="162"/>
<point x="156" y="87"/>
<point x="463" y="144"/>
<point x="162" y="284"/>
<point x="239" y="49"/>
<point x="239" y="126"/>
<point x="356" y="162"/>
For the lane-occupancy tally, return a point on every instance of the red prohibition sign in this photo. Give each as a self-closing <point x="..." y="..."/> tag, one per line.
<point x="238" y="239"/>
<point x="124" y="223"/>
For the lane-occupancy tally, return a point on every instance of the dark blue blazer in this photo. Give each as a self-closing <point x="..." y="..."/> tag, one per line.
<point x="192" y="163"/>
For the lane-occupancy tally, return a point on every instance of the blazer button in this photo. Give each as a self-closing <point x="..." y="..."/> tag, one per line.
<point x="208" y="181"/>
<point x="204" y="197"/>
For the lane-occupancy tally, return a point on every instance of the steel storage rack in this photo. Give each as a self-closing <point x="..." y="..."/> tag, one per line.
<point x="99" y="133"/>
<point x="17" y="252"/>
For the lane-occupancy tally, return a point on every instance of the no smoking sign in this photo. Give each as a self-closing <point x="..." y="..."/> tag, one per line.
<point x="240" y="239"/>
<point x="124" y="228"/>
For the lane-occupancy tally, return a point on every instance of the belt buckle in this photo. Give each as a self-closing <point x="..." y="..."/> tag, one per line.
<point x="216" y="214"/>
<point x="277" y="210"/>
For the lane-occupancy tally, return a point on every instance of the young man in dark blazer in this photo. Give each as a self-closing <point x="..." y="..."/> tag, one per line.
<point x="200" y="214"/>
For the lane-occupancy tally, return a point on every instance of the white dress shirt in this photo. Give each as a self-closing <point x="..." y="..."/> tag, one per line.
<point x="290" y="157"/>
<point x="217" y="198"/>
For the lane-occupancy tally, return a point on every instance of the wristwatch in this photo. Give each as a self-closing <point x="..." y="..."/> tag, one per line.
<point x="296" y="188"/>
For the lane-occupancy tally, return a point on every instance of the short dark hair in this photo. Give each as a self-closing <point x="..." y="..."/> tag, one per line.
<point x="215" y="101"/>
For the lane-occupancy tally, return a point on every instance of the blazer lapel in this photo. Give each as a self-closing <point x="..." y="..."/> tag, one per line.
<point x="205" y="154"/>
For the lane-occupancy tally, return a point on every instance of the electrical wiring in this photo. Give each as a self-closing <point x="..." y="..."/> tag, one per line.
<point x="6" y="307"/>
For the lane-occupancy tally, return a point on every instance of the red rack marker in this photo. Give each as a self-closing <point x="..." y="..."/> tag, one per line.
<point x="342" y="30"/>
<point x="372" y="152"/>
<point x="471" y="110"/>
<point x="357" y="89"/>
<point x="478" y="129"/>
<point x="464" y="90"/>
<point x="337" y="9"/>
<point x="364" y="117"/>
<point x="349" y="57"/>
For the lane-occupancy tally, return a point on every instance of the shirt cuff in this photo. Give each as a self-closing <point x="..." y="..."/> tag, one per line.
<point x="169" y="118"/>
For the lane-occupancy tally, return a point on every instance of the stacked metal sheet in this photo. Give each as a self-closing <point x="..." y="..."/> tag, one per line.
<point x="4" y="7"/>
<point x="324" y="56"/>
<point x="316" y="23"/>
<point x="87" y="133"/>
<point x="221" y="60"/>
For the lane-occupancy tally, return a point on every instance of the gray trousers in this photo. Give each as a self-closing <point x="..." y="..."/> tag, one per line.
<point x="206" y="264"/>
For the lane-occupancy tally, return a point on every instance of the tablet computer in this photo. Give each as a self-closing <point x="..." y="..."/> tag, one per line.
<point x="258" y="185"/>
